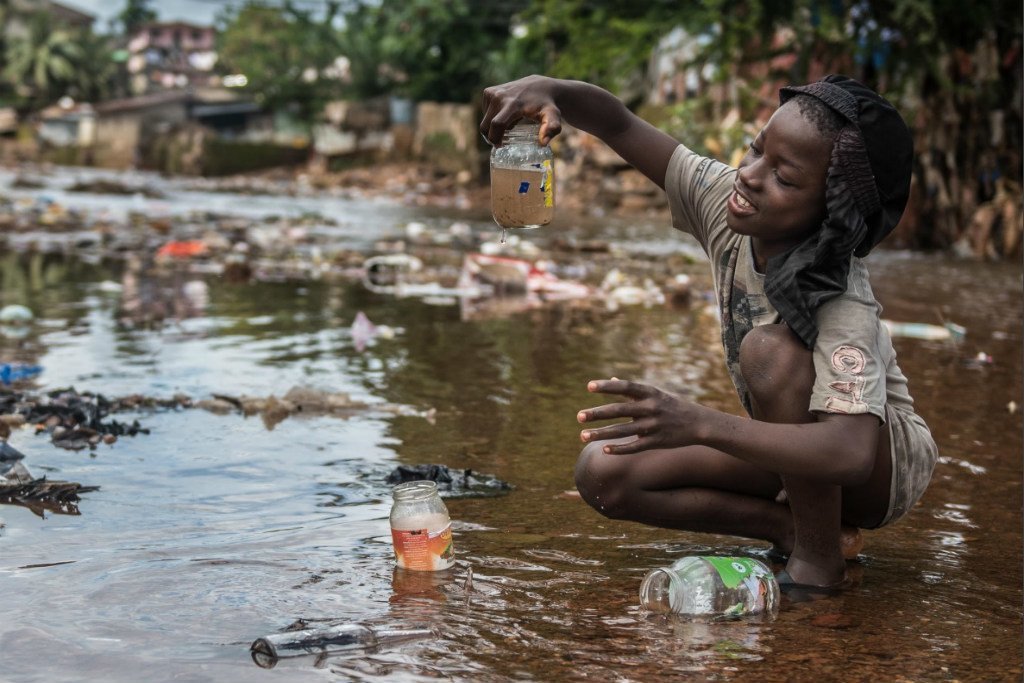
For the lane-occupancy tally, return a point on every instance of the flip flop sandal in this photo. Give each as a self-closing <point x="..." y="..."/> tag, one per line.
<point x="805" y="592"/>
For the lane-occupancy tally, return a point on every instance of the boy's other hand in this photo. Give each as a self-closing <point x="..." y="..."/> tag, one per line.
<point x="528" y="98"/>
<point x="658" y="419"/>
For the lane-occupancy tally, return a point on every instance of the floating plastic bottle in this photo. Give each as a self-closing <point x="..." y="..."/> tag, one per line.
<point x="15" y="314"/>
<point x="329" y="640"/>
<point x="712" y="588"/>
<point x="420" y="527"/>
<point x="522" y="179"/>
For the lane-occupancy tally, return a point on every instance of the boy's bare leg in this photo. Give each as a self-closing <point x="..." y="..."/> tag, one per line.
<point x="694" y="489"/>
<point x="779" y="372"/>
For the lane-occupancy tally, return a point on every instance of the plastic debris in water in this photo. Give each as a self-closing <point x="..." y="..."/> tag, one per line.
<point x="182" y="249"/>
<point x="451" y="483"/>
<point x="329" y="640"/>
<point x="13" y="372"/>
<point x="15" y="314"/>
<point x="364" y="331"/>
<point x="925" y="331"/>
<point x="15" y="321"/>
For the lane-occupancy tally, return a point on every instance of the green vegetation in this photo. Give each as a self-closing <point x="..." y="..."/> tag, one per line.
<point x="136" y="13"/>
<point x="286" y="53"/>
<point x="441" y="51"/>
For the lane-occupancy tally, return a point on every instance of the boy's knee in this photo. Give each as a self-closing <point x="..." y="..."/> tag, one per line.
<point x="600" y="480"/>
<point x="774" y="362"/>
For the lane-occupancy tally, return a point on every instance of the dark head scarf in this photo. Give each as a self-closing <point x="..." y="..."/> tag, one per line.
<point x="866" y="190"/>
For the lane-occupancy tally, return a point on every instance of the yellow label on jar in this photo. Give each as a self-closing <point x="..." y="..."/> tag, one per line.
<point x="424" y="550"/>
<point x="548" y="185"/>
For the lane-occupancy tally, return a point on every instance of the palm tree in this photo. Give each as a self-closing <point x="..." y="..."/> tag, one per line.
<point x="42" y="63"/>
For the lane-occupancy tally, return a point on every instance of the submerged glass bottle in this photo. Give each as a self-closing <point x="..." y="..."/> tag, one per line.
<point x="522" y="179"/>
<point x="327" y="640"/>
<point x="712" y="588"/>
<point x="420" y="527"/>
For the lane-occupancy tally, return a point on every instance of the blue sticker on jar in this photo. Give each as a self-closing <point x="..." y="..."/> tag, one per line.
<point x="524" y="187"/>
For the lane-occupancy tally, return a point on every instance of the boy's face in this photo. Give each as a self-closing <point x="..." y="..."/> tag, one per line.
<point x="779" y="195"/>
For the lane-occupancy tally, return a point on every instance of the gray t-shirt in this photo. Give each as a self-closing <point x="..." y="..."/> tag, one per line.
<point x="854" y="360"/>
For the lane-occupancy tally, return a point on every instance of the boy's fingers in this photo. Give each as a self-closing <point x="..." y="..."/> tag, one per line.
<point x="491" y="106"/>
<point x="489" y="95"/>
<point x="621" y="387"/>
<point x="640" y="428"/>
<point x="550" y="124"/>
<point x="502" y="121"/>
<point x="489" y="127"/>
<point x="610" y="432"/>
<point x="612" y="411"/>
<point x="638" y="445"/>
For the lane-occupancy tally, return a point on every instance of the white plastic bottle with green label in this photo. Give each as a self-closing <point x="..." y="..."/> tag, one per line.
<point x="712" y="587"/>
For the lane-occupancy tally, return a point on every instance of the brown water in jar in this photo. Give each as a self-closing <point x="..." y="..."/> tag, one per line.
<point x="520" y="198"/>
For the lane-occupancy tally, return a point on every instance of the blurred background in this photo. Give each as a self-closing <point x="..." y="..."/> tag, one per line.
<point x="221" y="87"/>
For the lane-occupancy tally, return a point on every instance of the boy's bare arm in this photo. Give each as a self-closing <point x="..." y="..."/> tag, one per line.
<point x="587" y="107"/>
<point x="837" y="449"/>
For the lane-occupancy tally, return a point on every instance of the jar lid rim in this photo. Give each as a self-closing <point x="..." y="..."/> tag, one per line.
<point x="424" y="484"/>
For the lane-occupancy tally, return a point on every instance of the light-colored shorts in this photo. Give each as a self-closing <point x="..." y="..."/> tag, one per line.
<point x="914" y="454"/>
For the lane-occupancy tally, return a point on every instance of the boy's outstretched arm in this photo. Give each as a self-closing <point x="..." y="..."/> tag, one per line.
<point x="587" y="107"/>
<point x="836" y="449"/>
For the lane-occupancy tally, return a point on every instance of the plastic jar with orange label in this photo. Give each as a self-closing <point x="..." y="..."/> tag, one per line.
<point x="420" y="527"/>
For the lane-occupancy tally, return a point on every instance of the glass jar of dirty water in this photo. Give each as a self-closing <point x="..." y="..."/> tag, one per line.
<point x="420" y="528"/>
<point x="522" y="179"/>
<point x="707" y="587"/>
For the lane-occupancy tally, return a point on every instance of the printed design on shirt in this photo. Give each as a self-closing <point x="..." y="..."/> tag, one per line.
<point x="731" y="335"/>
<point x="707" y="172"/>
<point x="741" y="312"/>
<point x="848" y="360"/>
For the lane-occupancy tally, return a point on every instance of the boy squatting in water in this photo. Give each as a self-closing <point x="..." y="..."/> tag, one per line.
<point x="834" y="440"/>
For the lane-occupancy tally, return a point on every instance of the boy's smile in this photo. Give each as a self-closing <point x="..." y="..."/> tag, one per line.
<point x="779" y="195"/>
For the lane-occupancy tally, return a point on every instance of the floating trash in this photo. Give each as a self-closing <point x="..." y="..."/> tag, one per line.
<point x="16" y="372"/>
<point x="946" y="331"/>
<point x="298" y="641"/>
<point x="15" y="314"/>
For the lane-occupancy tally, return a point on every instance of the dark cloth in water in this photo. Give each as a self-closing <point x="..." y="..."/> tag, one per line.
<point x="461" y="483"/>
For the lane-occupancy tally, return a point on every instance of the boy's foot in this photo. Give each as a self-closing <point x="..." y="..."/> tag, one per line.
<point x="851" y="541"/>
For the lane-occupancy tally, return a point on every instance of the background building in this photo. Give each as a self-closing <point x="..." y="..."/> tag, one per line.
<point x="171" y="55"/>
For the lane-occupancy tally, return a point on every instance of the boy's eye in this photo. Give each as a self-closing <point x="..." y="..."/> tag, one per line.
<point x="782" y="181"/>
